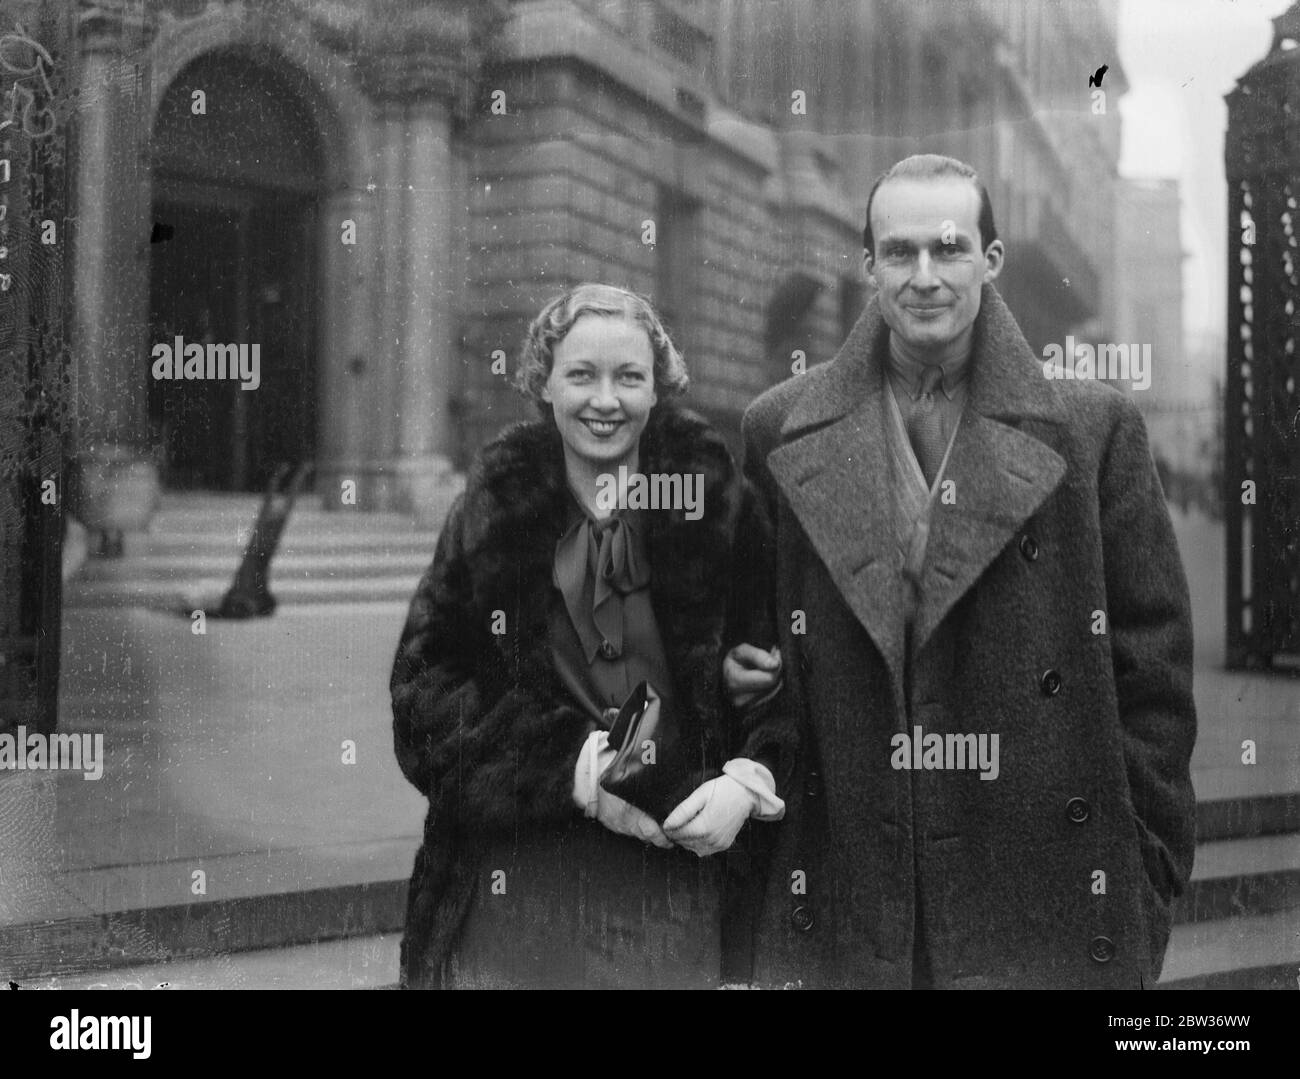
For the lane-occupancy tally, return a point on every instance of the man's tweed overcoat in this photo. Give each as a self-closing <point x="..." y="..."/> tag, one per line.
<point x="1054" y="613"/>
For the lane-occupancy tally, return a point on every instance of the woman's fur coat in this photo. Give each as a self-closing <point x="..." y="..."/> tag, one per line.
<point x="482" y="724"/>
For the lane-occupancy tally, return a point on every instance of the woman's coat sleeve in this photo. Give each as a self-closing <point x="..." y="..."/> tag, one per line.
<point x="491" y="756"/>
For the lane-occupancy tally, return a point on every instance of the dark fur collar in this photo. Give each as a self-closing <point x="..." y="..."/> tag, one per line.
<point x="516" y="505"/>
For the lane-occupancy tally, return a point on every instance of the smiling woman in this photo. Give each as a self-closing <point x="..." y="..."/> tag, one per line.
<point x="545" y="609"/>
<point x="602" y="388"/>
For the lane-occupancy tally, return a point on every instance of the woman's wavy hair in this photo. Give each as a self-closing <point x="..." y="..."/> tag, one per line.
<point x="556" y="319"/>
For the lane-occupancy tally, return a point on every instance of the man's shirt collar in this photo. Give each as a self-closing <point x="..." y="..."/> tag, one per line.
<point x="909" y="372"/>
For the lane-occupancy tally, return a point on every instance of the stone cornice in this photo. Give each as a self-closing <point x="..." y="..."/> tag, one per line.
<point x="411" y="49"/>
<point x="114" y="26"/>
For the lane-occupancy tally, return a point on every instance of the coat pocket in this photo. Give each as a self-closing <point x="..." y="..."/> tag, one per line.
<point x="1156" y="904"/>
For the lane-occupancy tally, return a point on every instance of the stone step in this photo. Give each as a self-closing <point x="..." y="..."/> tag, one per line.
<point x="1231" y="878"/>
<point x="1253" y="952"/>
<point x="199" y="942"/>
<point x="198" y="512"/>
<point x="62" y="948"/>
<point x="286" y="566"/>
<point x="292" y="541"/>
<point x="206" y="592"/>
<point x="1260" y="811"/>
<point x="346" y="520"/>
<point x="196" y="542"/>
<point x="358" y="962"/>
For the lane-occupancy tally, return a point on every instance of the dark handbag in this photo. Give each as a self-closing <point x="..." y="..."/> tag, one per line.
<point x="656" y="768"/>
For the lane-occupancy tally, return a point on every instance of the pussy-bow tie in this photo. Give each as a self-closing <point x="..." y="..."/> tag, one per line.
<point x="609" y="555"/>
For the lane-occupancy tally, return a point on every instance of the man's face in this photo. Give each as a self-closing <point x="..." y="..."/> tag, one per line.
<point x="927" y="265"/>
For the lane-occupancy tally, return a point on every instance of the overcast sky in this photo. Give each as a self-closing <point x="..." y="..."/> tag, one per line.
<point x="1181" y="57"/>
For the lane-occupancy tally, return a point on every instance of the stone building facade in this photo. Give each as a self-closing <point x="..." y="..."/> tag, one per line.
<point x="381" y="194"/>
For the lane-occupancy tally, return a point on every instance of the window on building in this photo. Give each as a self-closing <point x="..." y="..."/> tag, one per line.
<point x="677" y="221"/>
<point x="852" y="294"/>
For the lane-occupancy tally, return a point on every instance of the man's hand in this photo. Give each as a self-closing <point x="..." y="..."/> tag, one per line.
<point x="708" y="821"/>
<point x="749" y="672"/>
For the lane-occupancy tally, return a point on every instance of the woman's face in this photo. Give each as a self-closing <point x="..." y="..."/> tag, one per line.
<point x="602" y="388"/>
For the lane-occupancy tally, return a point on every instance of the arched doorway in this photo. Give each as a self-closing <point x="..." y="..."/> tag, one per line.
<point x="237" y="177"/>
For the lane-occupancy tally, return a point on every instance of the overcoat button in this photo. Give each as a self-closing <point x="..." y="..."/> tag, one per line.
<point x="1029" y="547"/>
<point x="1050" y="683"/>
<point x="1078" y="810"/>
<point x="812" y="785"/>
<point x="607" y="649"/>
<point x="1102" y="949"/>
<point x="802" y="918"/>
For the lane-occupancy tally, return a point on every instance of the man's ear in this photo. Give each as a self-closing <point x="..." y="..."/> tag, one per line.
<point x="868" y="268"/>
<point x="994" y="258"/>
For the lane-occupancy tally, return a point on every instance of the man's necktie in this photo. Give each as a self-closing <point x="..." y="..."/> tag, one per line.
<point x="925" y="425"/>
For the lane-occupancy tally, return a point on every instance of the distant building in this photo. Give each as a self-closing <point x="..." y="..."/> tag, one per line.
<point x="381" y="194"/>
<point x="1002" y="84"/>
<point x="1149" y="311"/>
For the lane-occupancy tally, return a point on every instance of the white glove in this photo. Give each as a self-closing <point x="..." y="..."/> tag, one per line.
<point x="615" y="814"/>
<point x="710" y="818"/>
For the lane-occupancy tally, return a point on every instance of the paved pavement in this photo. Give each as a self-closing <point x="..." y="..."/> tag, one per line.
<point x="1233" y="706"/>
<point x="225" y="757"/>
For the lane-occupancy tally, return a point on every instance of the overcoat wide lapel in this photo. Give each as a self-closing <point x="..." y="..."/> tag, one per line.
<point x="832" y="467"/>
<point x="1000" y="473"/>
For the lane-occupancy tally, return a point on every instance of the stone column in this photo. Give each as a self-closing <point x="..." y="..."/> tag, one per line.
<point x="117" y="484"/>
<point x="346" y="395"/>
<point x="417" y="65"/>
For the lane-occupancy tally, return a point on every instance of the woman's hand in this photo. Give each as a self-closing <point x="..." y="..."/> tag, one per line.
<point x="625" y="819"/>
<point x="749" y="672"/>
<point x="610" y="810"/>
<point x="709" y="820"/>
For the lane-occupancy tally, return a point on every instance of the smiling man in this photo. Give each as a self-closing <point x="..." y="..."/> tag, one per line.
<point x="966" y="551"/>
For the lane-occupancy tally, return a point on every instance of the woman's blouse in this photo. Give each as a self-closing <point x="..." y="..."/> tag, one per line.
<point x="604" y="638"/>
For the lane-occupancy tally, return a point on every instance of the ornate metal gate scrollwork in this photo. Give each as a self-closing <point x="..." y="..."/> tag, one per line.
<point x="1262" y="429"/>
<point x="35" y="390"/>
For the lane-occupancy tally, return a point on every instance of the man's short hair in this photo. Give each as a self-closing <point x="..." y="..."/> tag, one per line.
<point x="933" y="167"/>
<point x="556" y="319"/>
